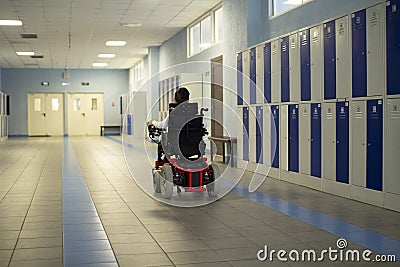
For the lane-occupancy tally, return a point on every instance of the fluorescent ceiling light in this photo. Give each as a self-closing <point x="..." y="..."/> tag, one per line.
<point x="106" y="55"/>
<point x="115" y="43"/>
<point x="99" y="64"/>
<point x="292" y="2"/>
<point x="65" y="84"/>
<point x="4" y="22"/>
<point x="25" y="53"/>
<point x="132" y="25"/>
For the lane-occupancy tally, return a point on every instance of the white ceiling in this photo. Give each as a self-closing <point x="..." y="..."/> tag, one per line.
<point x="90" y="23"/>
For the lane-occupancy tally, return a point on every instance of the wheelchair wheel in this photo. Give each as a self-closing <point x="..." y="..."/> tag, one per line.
<point x="213" y="188"/>
<point x="156" y="181"/>
<point x="166" y="181"/>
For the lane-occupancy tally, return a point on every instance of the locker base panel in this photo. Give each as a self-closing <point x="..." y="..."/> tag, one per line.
<point x="309" y="181"/>
<point x="335" y="188"/>
<point x="263" y="169"/>
<point x="3" y="138"/>
<point x="242" y="164"/>
<point x="251" y="166"/>
<point x="274" y="173"/>
<point x="392" y="202"/>
<point x="366" y="195"/>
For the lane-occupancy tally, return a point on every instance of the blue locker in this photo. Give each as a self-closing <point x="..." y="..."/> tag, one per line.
<point x="342" y="142"/>
<point x="393" y="46"/>
<point x="253" y="98"/>
<point x="246" y="134"/>
<point x="239" y="79"/>
<point x="359" y="48"/>
<point x="329" y="61"/>
<point x="294" y="138"/>
<point x="285" y="82"/>
<point x="129" y="124"/>
<point x="267" y="73"/>
<point x="275" y="136"/>
<point x="305" y="67"/>
<point x="374" y="144"/>
<point x="316" y="140"/>
<point x="259" y="134"/>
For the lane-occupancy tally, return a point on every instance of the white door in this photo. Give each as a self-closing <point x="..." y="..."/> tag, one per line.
<point x="37" y="115"/>
<point x="45" y="114"/>
<point x="85" y="114"/>
<point x="358" y="148"/>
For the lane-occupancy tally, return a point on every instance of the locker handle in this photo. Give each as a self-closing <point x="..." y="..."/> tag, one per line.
<point x="83" y="114"/>
<point x="44" y="114"/>
<point x="337" y="142"/>
<point x="369" y="144"/>
<point x="312" y="139"/>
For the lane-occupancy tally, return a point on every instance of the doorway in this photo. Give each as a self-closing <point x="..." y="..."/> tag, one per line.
<point x="217" y="96"/>
<point x="85" y="113"/>
<point x="45" y="114"/>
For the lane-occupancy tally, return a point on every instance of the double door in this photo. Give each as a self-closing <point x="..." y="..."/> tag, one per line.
<point x="45" y="114"/>
<point x="85" y="113"/>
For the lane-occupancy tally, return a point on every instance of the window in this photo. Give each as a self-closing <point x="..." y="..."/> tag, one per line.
<point x="137" y="71"/>
<point x="38" y="104"/>
<point x="77" y="104"/>
<point x="94" y="104"/>
<point x="205" y="32"/>
<point x="280" y="6"/>
<point x="55" y="105"/>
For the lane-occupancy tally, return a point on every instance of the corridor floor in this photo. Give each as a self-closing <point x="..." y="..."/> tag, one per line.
<point x="72" y="202"/>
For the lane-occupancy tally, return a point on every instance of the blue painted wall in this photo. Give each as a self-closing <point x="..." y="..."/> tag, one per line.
<point x="19" y="82"/>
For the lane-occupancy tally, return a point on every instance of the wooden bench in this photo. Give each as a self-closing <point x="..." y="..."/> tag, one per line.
<point x="103" y="127"/>
<point x="231" y="143"/>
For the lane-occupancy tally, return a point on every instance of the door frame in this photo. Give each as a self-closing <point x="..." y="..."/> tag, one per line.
<point x="216" y="128"/>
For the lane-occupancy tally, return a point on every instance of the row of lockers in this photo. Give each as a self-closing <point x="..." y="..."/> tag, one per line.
<point x="326" y="140"/>
<point x="4" y="113"/>
<point x="338" y="59"/>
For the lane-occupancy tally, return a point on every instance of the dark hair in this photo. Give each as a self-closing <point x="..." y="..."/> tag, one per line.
<point x="182" y="95"/>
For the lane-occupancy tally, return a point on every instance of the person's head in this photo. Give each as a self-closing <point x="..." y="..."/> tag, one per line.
<point x="181" y="95"/>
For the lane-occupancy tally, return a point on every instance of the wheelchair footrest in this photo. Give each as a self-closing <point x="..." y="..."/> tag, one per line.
<point x="195" y="189"/>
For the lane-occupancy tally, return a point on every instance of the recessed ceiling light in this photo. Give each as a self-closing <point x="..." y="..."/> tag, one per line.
<point x="25" y="53"/>
<point x="106" y="55"/>
<point x="115" y="43"/>
<point x="292" y="2"/>
<point x="99" y="64"/>
<point x="132" y="25"/>
<point x="4" y="22"/>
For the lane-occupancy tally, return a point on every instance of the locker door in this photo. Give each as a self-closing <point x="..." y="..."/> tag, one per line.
<point x="266" y="136"/>
<point x="177" y="81"/>
<point x="294" y="68"/>
<point x="316" y="63"/>
<point x="285" y="81"/>
<point x="359" y="55"/>
<point x="305" y="62"/>
<point x="168" y="94"/>
<point x="275" y="136"/>
<point x="316" y="140"/>
<point x="260" y="74"/>
<point x="329" y="141"/>
<point x="284" y="138"/>
<point x="239" y="79"/>
<point x="358" y="143"/>
<point x="342" y="142"/>
<point x="375" y="55"/>
<point x="246" y="77"/>
<point x="392" y="46"/>
<point x="343" y="70"/>
<point x="239" y="112"/>
<point x="259" y="134"/>
<point x="293" y="138"/>
<point x="329" y="61"/>
<point x="267" y="73"/>
<point x="252" y="134"/>
<point x="304" y="138"/>
<point x="253" y="80"/>
<point x="392" y="145"/>
<point x="374" y="144"/>
<point x="245" y="132"/>
<point x="276" y="72"/>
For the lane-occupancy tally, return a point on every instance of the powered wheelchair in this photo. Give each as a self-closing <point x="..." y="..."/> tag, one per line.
<point x="181" y="149"/>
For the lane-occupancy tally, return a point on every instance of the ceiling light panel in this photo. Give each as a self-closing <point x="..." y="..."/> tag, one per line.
<point x="10" y="22"/>
<point x="106" y="55"/>
<point x="25" y="53"/>
<point x="99" y="65"/>
<point x="115" y="43"/>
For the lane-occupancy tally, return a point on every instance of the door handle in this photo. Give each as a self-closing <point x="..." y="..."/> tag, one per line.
<point x="83" y="114"/>
<point x="44" y="114"/>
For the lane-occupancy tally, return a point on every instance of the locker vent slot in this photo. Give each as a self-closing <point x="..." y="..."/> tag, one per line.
<point x="357" y="24"/>
<point x="284" y="47"/>
<point x="395" y="114"/>
<point x="293" y="44"/>
<point x="374" y="20"/>
<point x="342" y="30"/>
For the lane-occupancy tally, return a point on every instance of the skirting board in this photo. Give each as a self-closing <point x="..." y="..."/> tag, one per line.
<point x="366" y="195"/>
<point x="392" y="202"/>
<point x="336" y="188"/>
